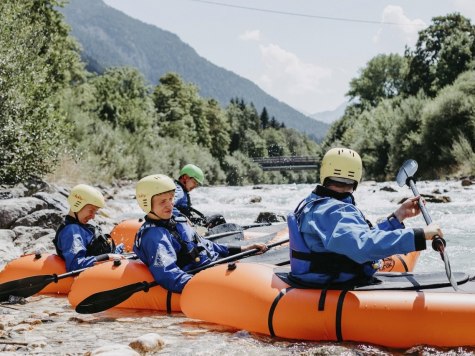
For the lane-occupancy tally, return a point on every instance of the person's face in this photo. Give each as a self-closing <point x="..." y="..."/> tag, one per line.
<point x="88" y="212"/>
<point x="190" y="183"/>
<point x="162" y="205"/>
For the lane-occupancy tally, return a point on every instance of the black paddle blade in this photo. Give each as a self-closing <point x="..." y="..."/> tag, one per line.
<point x="407" y="170"/>
<point x="101" y="301"/>
<point x="25" y="287"/>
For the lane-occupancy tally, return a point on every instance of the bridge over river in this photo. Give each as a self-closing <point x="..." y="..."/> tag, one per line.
<point x="283" y="163"/>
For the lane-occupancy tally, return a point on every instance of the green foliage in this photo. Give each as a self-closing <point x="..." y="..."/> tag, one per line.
<point x="444" y="50"/>
<point x="37" y="61"/>
<point x="382" y="78"/>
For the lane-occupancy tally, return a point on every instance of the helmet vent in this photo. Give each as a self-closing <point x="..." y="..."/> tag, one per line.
<point x="351" y="173"/>
<point x="337" y="172"/>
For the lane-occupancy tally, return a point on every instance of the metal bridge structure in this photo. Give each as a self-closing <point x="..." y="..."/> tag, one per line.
<point x="285" y="163"/>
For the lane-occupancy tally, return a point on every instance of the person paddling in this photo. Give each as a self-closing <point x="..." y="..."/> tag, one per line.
<point x="79" y="243"/>
<point x="330" y="239"/>
<point x="191" y="177"/>
<point x="166" y="243"/>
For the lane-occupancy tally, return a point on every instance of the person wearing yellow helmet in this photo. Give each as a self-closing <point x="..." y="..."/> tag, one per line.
<point x="79" y="243"/>
<point x="330" y="239"/>
<point x="166" y="243"/>
<point x="191" y="177"/>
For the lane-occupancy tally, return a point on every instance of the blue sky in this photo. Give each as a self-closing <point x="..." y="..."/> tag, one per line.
<point x="303" y="52"/>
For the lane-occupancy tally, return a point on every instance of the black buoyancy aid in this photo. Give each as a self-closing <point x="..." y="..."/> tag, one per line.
<point x="302" y="259"/>
<point x="100" y="243"/>
<point x="189" y="250"/>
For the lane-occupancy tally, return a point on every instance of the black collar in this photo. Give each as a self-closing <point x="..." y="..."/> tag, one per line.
<point x="322" y="191"/>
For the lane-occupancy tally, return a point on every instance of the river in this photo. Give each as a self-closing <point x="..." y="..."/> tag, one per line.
<point x="47" y="325"/>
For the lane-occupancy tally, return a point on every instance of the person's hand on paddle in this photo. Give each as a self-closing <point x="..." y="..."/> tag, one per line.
<point x="261" y="246"/>
<point x="408" y="209"/>
<point x="432" y="230"/>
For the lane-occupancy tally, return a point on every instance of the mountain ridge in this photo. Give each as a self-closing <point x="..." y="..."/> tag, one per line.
<point x="110" y="38"/>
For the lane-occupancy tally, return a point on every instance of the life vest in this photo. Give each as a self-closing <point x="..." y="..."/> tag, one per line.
<point x="303" y="260"/>
<point x="190" y="249"/>
<point x="100" y="243"/>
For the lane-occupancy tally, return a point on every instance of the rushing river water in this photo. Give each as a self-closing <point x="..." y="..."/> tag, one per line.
<point x="48" y="325"/>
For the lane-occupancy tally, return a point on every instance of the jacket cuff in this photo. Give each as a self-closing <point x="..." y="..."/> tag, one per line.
<point x="419" y="239"/>
<point x="233" y="250"/>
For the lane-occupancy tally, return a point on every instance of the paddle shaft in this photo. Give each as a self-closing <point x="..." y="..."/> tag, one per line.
<point x="438" y="243"/>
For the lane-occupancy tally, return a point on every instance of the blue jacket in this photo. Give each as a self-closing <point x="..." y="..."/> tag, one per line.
<point x="182" y="201"/>
<point x="71" y="243"/>
<point x="171" y="248"/>
<point x="335" y="225"/>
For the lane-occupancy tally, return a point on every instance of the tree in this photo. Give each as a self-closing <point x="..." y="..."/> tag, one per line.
<point x="382" y="78"/>
<point x="444" y="50"/>
<point x="264" y="119"/>
<point x="37" y="62"/>
<point x="122" y="99"/>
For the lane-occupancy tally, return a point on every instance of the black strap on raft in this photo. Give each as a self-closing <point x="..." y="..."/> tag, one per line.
<point x="276" y="301"/>
<point x="169" y="302"/>
<point x="339" y="315"/>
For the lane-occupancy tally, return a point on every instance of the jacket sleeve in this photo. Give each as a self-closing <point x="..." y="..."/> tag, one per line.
<point x="159" y="253"/>
<point x="72" y="242"/>
<point x="346" y="232"/>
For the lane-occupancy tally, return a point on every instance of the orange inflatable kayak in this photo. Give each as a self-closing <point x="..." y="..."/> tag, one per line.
<point x="35" y="265"/>
<point x="112" y="275"/>
<point x="417" y="309"/>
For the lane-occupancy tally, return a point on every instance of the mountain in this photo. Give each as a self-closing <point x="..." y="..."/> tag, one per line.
<point x="330" y="116"/>
<point x="111" y="38"/>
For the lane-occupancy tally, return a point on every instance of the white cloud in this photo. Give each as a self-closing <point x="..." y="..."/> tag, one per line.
<point x="254" y="35"/>
<point x="287" y="77"/>
<point x="404" y="30"/>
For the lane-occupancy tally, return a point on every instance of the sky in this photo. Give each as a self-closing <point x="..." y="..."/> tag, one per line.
<point x="302" y="52"/>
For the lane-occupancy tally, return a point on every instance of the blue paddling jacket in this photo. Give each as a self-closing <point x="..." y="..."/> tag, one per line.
<point x="82" y="245"/>
<point x="332" y="242"/>
<point x="170" y="248"/>
<point x="182" y="202"/>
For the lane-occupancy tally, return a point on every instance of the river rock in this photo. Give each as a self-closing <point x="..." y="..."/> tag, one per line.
<point x="466" y="182"/>
<point x="46" y="218"/>
<point x="13" y="209"/>
<point x="269" y="217"/>
<point x="54" y="200"/>
<point x="255" y="199"/>
<point x="8" y="250"/>
<point x="147" y="343"/>
<point x="113" y="350"/>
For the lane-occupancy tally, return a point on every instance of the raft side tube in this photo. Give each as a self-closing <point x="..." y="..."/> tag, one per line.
<point x="33" y="265"/>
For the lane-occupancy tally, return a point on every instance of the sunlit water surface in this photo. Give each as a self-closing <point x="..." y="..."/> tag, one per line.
<point x="65" y="332"/>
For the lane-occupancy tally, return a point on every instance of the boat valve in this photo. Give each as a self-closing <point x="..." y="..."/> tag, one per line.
<point x="232" y="266"/>
<point x="117" y="262"/>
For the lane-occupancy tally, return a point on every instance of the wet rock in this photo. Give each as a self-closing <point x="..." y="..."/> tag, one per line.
<point x="113" y="350"/>
<point x="13" y="209"/>
<point x="255" y="199"/>
<point x="269" y="217"/>
<point x="56" y="201"/>
<point x="147" y="343"/>
<point x="388" y="189"/>
<point x="18" y="191"/>
<point x="46" y="218"/>
<point x="430" y="198"/>
<point x="32" y="238"/>
<point x="466" y="182"/>
<point x="8" y="250"/>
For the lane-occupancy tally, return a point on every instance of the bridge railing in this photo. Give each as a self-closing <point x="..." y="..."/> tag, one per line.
<point x="287" y="163"/>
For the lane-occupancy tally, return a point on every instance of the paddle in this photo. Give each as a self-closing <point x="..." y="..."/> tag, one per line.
<point x="405" y="176"/>
<point x="28" y="286"/>
<point x="107" y="299"/>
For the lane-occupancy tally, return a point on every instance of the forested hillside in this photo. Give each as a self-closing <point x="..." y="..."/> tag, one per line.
<point x="110" y="38"/>
<point x="57" y="117"/>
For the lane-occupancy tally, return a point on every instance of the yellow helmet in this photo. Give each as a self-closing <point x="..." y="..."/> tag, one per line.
<point x="152" y="185"/>
<point x="83" y="194"/>
<point x="343" y="165"/>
